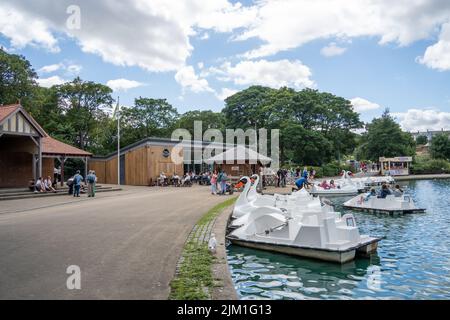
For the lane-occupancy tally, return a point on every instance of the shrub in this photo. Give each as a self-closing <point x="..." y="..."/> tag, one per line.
<point x="433" y="166"/>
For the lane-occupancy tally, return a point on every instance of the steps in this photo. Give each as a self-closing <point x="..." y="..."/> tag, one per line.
<point x="14" y="194"/>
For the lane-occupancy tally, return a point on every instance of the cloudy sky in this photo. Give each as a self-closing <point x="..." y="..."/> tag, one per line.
<point x="195" y="53"/>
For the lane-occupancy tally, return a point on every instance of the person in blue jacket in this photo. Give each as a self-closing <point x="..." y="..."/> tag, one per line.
<point x="77" y="179"/>
<point x="300" y="183"/>
<point x="384" y="192"/>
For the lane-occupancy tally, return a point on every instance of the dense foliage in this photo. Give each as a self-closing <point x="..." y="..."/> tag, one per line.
<point x="440" y="146"/>
<point x="421" y="140"/>
<point x="316" y="128"/>
<point x="385" y="138"/>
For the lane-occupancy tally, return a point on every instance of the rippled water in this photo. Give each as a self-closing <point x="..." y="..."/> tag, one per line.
<point x="412" y="262"/>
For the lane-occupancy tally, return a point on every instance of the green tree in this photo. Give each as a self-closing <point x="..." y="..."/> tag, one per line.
<point x="440" y="146"/>
<point x="385" y="138"/>
<point x="245" y="109"/>
<point x="305" y="146"/>
<point x="209" y="119"/>
<point x="148" y="117"/>
<point x="83" y="104"/>
<point x="17" y="79"/>
<point x="421" y="140"/>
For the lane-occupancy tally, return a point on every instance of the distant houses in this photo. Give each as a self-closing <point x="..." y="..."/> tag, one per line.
<point x="429" y="133"/>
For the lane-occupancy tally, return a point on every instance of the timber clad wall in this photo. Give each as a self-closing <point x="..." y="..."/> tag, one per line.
<point x="142" y="166"/>
<point x="48" y="165"/>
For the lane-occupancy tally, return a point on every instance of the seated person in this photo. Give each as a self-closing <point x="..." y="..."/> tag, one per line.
<point x="39" y="185"/>
<point x="324" y="185"/>
<point x="372" y="193"/>
<point x="384" y="192"/>
<point x="176" y="180"/>
<point x="31" y="184"/>
<point x="48" y="185"/>
<point x="332" y="185"/>
<point x="398" y="192"/>
<point x="186" y="180"/>
<point x="162" y="179"/>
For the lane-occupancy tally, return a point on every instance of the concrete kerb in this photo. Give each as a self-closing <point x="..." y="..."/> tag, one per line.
<point x="224" y="290"/>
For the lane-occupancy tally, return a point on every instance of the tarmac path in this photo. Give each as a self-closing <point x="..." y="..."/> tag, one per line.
<point x="126" y="243"/>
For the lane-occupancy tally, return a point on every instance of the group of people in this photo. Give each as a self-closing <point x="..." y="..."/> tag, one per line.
<point x="385" y="191"/>
<point x="219" y="182"/>
<point x="304" y="180"/>
<point x="43" y="185"/>
<point x="328" y="186"/>
<point x="76" y="187"/>
<point x="74" y="183"/>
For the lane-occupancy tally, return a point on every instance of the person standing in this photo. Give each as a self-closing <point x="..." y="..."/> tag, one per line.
<point x="222" y="180"/>
<point x="91" y="180"/>
<point x="305" y="173"/>
<point x="77" y="179"/>
<point x="214" y="183"/>
<point x="279" y="174"/>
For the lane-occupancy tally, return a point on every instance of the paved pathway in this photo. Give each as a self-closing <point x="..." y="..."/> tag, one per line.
<point x="127" y="244"/>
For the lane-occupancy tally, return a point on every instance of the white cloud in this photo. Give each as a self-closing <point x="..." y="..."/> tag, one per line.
<point x="153" y="35"/>
<point x="437" y="56"/>
<point x="123" y="84"/>
<point x="72" y="69"/>
<point x="287" y="24"/>
<point x="51" y="81"/>
<point x="225" y="93"/>
<point x="361" y="105"/>
<point x="423" y="119"/>
<point x="50" y="68"/>
<point x="187" y="78"/>
<point x="25" y="29"/>
<point x="274" y="74"/>
<point x="332" y="50"/>
<point x="205" y="36"/>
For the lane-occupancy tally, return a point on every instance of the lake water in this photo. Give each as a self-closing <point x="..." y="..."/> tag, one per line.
<point x="412" y="262"/>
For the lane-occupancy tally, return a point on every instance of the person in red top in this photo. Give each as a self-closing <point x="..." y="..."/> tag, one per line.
<point x="325" y="185"/>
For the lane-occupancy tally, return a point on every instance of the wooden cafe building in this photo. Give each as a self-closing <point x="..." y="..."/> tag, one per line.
<point x="27" y="151"/>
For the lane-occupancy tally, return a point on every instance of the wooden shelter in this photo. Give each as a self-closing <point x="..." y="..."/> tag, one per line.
<point x="27" y="151"/>
<point x="239" y="161"/>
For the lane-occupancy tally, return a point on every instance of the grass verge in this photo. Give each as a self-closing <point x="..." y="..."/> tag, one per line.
<point x="194" y="279"/>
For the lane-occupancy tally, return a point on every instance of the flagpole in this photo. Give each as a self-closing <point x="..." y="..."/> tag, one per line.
<point x="118" y="140"/>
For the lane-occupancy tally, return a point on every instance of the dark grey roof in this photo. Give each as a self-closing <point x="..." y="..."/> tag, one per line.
<point x="155" y="141"/>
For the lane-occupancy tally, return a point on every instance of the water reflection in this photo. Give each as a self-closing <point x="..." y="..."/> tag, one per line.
<point x="413" y="260"/>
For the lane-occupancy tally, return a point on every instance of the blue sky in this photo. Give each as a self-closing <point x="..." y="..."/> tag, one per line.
<point x="196" y="52"/>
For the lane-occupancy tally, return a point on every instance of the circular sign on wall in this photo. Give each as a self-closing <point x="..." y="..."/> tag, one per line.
<point x="166" y="153"/>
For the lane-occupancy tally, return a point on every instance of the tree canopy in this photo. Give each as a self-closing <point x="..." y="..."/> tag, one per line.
<point x="440" y="146"/>
<point x="385" y="138"/>
<point x="17" y="79"/>
<point x="315" y="127"/>
<point x="421" y="140"/>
